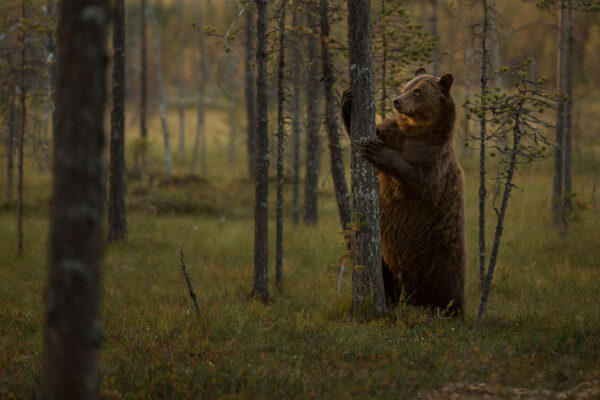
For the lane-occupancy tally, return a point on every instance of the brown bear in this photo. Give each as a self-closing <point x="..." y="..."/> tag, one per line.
<point x="421" y="195"/>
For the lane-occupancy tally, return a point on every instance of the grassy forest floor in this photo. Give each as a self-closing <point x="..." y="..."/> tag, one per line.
<point x="541" y="332"/>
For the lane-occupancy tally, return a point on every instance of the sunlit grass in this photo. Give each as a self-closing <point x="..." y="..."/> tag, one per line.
<point x="541" y="329"/>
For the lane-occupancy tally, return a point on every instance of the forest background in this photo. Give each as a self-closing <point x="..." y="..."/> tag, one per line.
<point x="542" y="327"/>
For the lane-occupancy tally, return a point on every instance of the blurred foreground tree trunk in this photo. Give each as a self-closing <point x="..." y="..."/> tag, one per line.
<point x="313" y="119"/>
<point x="367" y="280"/>
<point x="250" y="90"/>
<point x="49" y="107"/>
<point x="73" y="335"/>
<point x="261" y="202"/>
<point x="117" y="222"/>
<point x="331" y="120"/>
<point x="161" y="94"/>
<point x="568" y="64"/>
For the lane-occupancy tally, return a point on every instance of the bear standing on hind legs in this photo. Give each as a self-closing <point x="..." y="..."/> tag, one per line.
<point x="421" y="195"/>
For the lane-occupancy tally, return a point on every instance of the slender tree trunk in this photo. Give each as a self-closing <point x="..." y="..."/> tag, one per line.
<point x="557" y="187"/>
<point x="384" y="50"/>
<point x="311" y="190"/>
<point x="200" y="139"/>
<point x="161" y="93"/>
<point x="280" y="138"/>
<point x="143" y="81"/>
<point x="335" y="150"/>
<point x="22" y="98"/>
<point x="568" y="110"/>
<point x="73" y="335"/>
<point x="232" y="117"/>
<point x="117" y="222"/>
<point x="49" y="107"/>
<point x="434" y="32"/>
<point x="10" y="143"/>
<point x="367" y="280"/>
<point x="250" y="93"/>
<point x="495" y="42"/>
<point x="261" y="229"/>
<point x="487" y="283"/>
<point x="482" y="145"/>
<point x="181" y="84"/>
<point x="296" y="145"/>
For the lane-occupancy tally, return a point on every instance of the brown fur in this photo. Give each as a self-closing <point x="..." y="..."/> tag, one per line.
<point x="421" y="195"/>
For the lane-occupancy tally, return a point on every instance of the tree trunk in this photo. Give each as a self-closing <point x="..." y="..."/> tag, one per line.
<point x="73" y="335"/>
<point x="384" y="50"/>
<point x="250" y="94"/>
<point x="161" y="94"/>
<point x="568" y="110"/>
<point x="200" y="140"/>
<point x="296" y="145"/>
<point x="10" y="142"/>
<point x="261" y="237"/>
<point x="117" y="222"/>
<point x="557" y="187"/>
<point x="434" y="32"/>
<point x="49" y="106"/>
<point x="495" y="41"/>
<point x="335" y="150"/>
<point x="143" y="82"/>
<point x="280" y="138"/>
<point x="487" y="283"/>
<point x="22" y="98"/>
<point x="181" y="84"/>
<point x="482" y="145"/>
<point x="367" y="278"/>
<point x="311" y="190"/>
<point x="232" y="116"/>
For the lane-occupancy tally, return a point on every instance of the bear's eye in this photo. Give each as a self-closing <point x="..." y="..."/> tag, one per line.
<point x="417" y="91"/>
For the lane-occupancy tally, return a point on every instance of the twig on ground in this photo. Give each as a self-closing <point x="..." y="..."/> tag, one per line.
<point x="189" y="283"/>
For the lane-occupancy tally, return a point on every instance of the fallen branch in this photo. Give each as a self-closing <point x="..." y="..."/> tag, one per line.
<point x="189" y="283"/>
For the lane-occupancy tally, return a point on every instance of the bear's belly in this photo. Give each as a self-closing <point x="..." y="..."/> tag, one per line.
<point x="420" y="238"/>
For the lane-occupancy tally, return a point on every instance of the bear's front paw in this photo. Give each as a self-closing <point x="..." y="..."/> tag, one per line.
<point x="372" y="151"/>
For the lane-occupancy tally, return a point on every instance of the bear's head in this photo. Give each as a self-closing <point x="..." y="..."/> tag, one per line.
<point x="426" y="102"/>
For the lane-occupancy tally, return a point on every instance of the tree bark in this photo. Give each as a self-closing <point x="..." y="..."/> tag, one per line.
<point x="261" y="237"/>
<point x="280" y="139"/>
<point x="558" y="211"/>
<point x="49" y="107"/>
<point x="250" y="90"/>
<point x="181" y="84"/>
<point x="21" y="138"/>
<point x="367" y="278"/>
<point x="311" y="190"/>
<point x="143" y="81"/>
<point x="495" y="41"/>
<point x="482" y="145"/>
<point x="568" y="110"/>
<point x="487" y="283"/>
<point x="73" y="335"/>
<point x="232" y="116"/>
<point x="434" y="32"/>
<point x="161" y="94"/>
<point x="200" y="139"/>
<point x="117" y="222"/>
<point x="296" y="143"/>
<point x="331" y="121"/>
<point x="10" y="142"/>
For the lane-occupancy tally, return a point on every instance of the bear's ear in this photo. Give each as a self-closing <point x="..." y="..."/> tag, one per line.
<point x="446" y="82"/>
<point x="419" y="72"/>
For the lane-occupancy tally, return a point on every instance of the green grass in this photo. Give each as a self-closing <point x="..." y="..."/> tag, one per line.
<point x="541" y="331"/>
